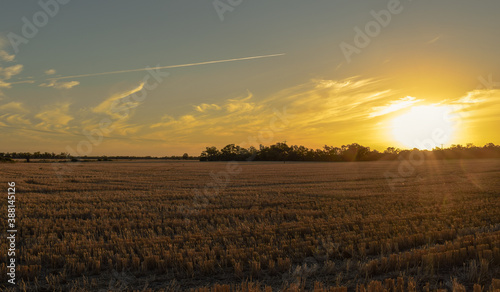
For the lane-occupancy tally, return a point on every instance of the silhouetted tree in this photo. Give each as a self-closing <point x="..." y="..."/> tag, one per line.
<point x="351" y="152"/>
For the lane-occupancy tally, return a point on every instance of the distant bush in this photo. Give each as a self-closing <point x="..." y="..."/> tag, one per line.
<point x="6" y="159"/>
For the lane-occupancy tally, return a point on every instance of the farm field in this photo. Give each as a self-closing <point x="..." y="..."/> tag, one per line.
<point x="135" y="225"/>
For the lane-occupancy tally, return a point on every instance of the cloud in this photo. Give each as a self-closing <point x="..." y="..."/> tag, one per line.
<point x="319" y="103"/>
<point x="50" y="72"/>
<point x="473" y="97"/>
<point x="4" y="84"/>
<point x="60" y="85"/>
<point x="54" y="116"/>
<point x="184" y="121"/>
<point x="349" y="83"/>
<point x="330" y="111"/>
<point x="318" y="108"/>
<point x="13" y="113"/>
<point x="6" y="56"/>
<point x="14" y="107"/>
<point x="394" y="106"/>
<point x="205" y="107"/>
<point x="240" y="105"/>
<point x="477" y="104"/>
<point x="8" y="72"/>
<point x="235" y="109"/>
<point x="14" y="119"/>
<point x="232" y="117"/>
<point x="434" y="40"/>
<point x="117" y="104"/>
<point x="120" y="108"/>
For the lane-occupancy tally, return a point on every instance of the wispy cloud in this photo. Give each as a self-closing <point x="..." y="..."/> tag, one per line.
<point x="8" y="72"/>
<point x="205" y="107"/>
<point x="394" y="106"/>
<point x="6" y="56"/>
<point x="14" y="119"/>
<point x="111" y="107"/>
<point x="14" y="106"/>
<point x="4" y="84"/>
<point x="60" y="85"/>
<point x="240" y="105"/>
<point x="54" y="116"/>
<point x="319" y="108"/>
<point x="14" y="114"/>
<point x="434" y="40"/>
<point x="478" y="104"/>
<point x="50" y="72"/>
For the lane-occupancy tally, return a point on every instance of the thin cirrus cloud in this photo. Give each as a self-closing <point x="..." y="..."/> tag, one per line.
<point x="434" y="40"/>
<point x="14" y="106"/>
<point x="394" y="106"/>
<point x="14" y="114"/>
<point x="60" y="85"/>
<point x="330" y="111"/>
<point x="479" y="103"/>
<point x="14" y="119"/>
<point x="318" y="104"/>
<point x="50" y="72"/>
<point x="6" y="73"/>
<point x="6" y="56"/>
<point x="319" y="110"/>
<point x="206" y="107"/>
<point x="54" y="117"/>
<point x="112" y="107"/>
<point x="234" y="116"/>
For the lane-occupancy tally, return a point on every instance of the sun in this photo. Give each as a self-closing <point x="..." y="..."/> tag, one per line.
<point x="425" y="127"/>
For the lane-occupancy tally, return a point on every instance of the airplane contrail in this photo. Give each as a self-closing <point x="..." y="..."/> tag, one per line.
<point x="165" y="67"/>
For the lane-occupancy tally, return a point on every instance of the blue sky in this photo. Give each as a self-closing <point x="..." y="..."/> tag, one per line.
<point x="435" y="52"/>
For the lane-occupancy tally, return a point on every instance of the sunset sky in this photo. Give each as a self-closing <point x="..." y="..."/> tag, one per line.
<point x="433" y="67"/>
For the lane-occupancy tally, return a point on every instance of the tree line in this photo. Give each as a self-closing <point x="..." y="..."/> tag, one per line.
<point x="9" y="156"/>
<point x="345" y="153"/>
<point x="283" y="152"/>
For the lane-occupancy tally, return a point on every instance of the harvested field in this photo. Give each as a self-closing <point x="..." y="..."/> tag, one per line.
<point x="138" y="225"/>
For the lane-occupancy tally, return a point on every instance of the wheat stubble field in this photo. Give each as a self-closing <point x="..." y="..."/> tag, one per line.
<point x="136" y="225"/>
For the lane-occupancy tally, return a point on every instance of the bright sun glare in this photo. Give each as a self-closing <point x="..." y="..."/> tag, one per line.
<point x="425" y="127"/>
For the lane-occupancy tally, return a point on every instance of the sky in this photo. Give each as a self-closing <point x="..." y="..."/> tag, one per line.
<point x="379" y="73"/>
